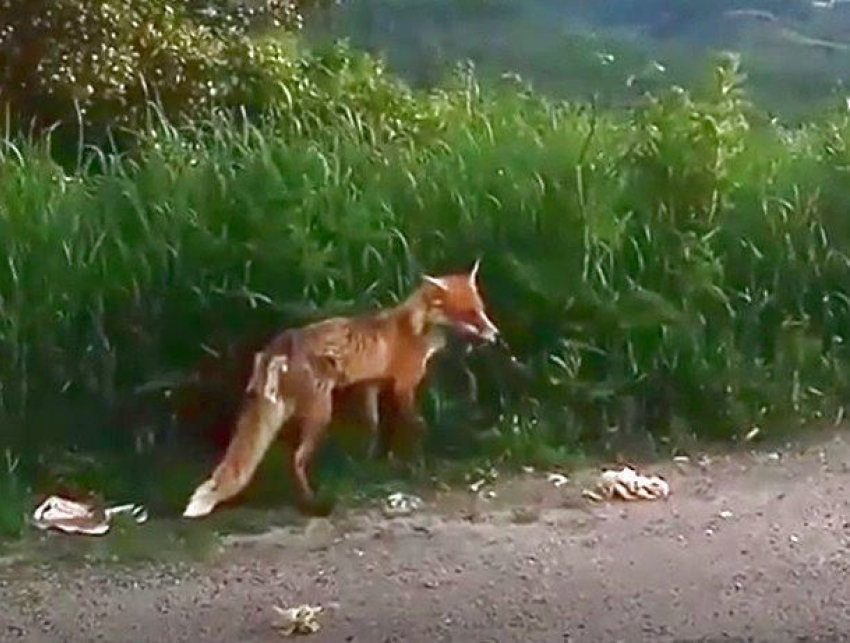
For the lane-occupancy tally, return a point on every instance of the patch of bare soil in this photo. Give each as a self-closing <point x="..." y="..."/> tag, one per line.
<point x="748" y="547"/>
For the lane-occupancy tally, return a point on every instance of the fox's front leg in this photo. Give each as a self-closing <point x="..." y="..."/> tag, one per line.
<point x="406" y="418"/>
<point x="371" y="415"/>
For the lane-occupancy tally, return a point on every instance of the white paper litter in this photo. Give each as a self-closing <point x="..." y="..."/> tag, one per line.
<point x="299" y="620"/>
<point x="74" y="517"/>
<point x="752" y="434"/>
<point x="557" y="479"/>
<point x="627" y="484"/>
<point x="138" y="512"/>
<point x="476" y="486"/>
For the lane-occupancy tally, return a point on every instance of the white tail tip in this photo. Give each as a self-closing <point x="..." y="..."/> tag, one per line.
<point x="203" y="501"/>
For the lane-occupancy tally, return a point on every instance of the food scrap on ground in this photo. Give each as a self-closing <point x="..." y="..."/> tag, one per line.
<point x="627" y="484"/>
<point x="482" y="477"/>
<point x="299" y="620"/>
<point x="75" y="517"/>
<point x="401" y="504"/>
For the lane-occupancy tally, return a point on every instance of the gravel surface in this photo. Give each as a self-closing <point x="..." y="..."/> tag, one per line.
<point x="750" y="547"/>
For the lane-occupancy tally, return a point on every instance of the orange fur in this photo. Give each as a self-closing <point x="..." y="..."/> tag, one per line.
<point x="383" y="354"/>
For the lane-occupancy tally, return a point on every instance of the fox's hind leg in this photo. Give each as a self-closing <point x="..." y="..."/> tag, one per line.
<point x="258" y="424"/>
<point x="306" y="438"/>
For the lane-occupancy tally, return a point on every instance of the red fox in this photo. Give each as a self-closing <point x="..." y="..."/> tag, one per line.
<point x="384" y="354"/>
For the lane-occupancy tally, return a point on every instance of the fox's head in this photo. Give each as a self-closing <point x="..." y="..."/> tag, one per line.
<point x="454" y="301"/>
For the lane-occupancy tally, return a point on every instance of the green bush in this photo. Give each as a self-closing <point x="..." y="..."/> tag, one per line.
<point x="15" y="494"/>
<point x="681" y="259"/>
<point x="110" y="68"/>
<point x="100" y="64"/>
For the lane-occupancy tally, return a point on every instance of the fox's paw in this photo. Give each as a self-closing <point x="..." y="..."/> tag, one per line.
<point x="317" y="507"/>
<point x="202" y="502"/>
<point x="321" y="508"/>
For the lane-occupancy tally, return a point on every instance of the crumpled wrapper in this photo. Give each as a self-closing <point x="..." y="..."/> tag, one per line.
<point x="627" y="484"/>
<point x="401" y="504"/>
<point x="75" y="517"/>
<point x="299" y="620"/>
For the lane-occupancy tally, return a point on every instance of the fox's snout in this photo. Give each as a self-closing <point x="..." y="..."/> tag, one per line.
<point x="487" y="330"/>
<point x="482" y="329"/>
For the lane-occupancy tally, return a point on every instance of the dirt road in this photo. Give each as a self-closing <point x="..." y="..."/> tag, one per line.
<point x="750" y="547"/>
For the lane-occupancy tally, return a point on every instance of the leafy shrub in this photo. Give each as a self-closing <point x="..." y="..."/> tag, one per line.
<point x="102" y="62"/>
<point x="111" y="66"/>
<point x="245" y="17"/>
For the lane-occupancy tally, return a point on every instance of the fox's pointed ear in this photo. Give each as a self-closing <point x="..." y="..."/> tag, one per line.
<point x="473" y="274"/>
<point x="442" y="285"/>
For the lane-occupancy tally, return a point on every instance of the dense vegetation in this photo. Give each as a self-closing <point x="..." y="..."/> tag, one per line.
<point x="680" y="268"/>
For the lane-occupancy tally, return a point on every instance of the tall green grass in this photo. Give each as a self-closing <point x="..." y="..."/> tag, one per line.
<point x="680" y="269"/>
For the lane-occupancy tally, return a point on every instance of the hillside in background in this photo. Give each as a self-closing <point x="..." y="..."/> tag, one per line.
<point x="795" y="52"/>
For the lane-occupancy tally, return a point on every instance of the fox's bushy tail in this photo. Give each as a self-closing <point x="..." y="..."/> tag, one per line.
<point x="264" y="413"/>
